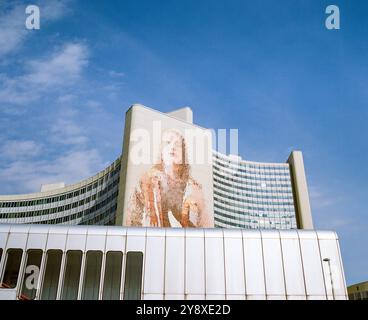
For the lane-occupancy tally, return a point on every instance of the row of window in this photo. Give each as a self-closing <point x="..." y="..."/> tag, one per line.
<point x="242" y="172"/>
<point x="250" y="165"/>
<point x="242" y="194"/>
<point x="278" y="226"/>
<point x="64" y="196"/>
<point x="246" y="201"/>
<point x="247" y="221"/>
<point x="27" y="280"/>
<point x="363" y="295"/>
<point x="268" y="211"/>
<point x="254" y="218"/>
<point x="251" y="183"/>
<point x="73" y="205"/>
<point x="219" y="182"/>
<point x="84" y="217"/>
<point x="266" y="177"/>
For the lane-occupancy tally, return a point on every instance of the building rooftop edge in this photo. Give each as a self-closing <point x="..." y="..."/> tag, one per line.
<point x="84" y="182"/>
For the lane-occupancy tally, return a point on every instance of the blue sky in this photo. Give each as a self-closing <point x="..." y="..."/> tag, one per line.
<point x="269" y="68"/>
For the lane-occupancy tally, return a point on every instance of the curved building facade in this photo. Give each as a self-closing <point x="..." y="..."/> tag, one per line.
<point x="252" y="195"/>
<point x="92" y="201"/>
<point x="229" y="192"/>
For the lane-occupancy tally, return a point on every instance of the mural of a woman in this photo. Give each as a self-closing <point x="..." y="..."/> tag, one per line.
<point x="166" y="195"/>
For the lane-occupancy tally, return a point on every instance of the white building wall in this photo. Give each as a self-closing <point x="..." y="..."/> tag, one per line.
<point x="200" y="263"/>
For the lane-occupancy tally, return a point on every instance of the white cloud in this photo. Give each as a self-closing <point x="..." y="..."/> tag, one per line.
<point x="12" y="22"/>
<point x="65" y="129"/>
<point x="116" y="74"/>
<point x="66" y="98"/>
<point x="67" y="132"/>
<point x="53" y="10"/>
<point x="62" y="69"/>
<point x="321" y="199"/>
<point x="12" y="30"/>
<point x="54" y="79"/>
<point x="17" y="149"/>
<point x="27" y="176"/>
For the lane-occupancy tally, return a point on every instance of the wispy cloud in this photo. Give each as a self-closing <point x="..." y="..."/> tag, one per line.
<point x="62" y="69"/>
<point x="321" y="198"/>
<point x="116" y="74"/>
<point x="66" y="131"/>
<point x="18" y="149"/>
<point x="12" y="21"/>
<point x="12" y="30"/>
<point x="27" y="176"/>
<point x="55" y="9"/>
<point x="55" y="82"/>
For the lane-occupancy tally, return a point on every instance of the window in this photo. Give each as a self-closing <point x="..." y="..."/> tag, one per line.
<point x="11" y="273"/>
<point x="31" y="274"/>
<point x="133" y="276"/>
<point x="1" y="254"/>
<point x="72" y="275"/>
<point x="112" y="279"/>
<point x="92" y="275"/>
<point x="52" y="274"/>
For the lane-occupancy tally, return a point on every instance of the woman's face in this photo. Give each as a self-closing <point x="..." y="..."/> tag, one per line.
<point x="172" y="148"/>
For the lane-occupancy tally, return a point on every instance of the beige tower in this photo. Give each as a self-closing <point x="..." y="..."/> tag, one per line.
<point x="300" y="191"/>
<point x="166" y="172"/>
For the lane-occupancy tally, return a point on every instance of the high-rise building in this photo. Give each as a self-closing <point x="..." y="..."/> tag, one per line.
<point x="238" y="193"/>
<point x="171" y="218"/>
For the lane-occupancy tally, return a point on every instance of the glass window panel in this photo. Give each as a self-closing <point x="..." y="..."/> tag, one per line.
<point x="112" y="279"/>
<point x="31" y="274"/>
<point x="72" y="275"/>
<point x="133" y="276"/>
<point x="52" y="275"/>
<point x="92" y="275"/>
<point x="11" y="273"/>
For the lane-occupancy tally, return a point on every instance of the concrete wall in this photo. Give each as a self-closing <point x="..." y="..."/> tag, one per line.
<point x="142" y="166"/>
<point x="300" y="189"/>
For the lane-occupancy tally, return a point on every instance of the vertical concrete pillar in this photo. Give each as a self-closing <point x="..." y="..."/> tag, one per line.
<point x="300" y="191"/>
